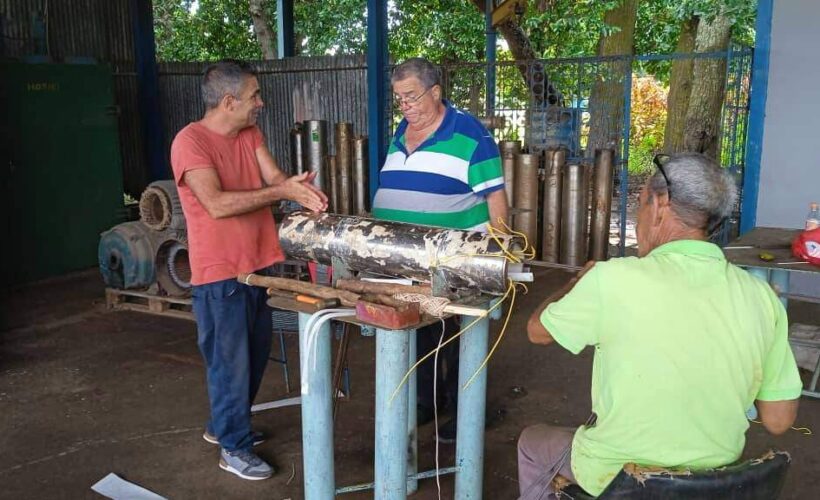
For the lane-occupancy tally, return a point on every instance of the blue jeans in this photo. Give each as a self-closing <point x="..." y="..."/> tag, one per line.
<point x="234" y="335"/>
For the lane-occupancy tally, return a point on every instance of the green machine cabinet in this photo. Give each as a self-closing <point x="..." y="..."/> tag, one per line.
<point x="60" y="167"/>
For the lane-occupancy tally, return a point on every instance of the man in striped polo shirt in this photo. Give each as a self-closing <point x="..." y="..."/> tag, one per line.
<point x="442" y="169"/>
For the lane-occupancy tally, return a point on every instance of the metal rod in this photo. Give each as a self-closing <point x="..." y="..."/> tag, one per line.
<point x="526" y="196"/>
<point x="602" y="177"/>
<point x="314" y="140"/>
<point x="509" y="150"/>
<point x="332" y="185"/>
<point x="392" y="361"/>
<point x="552" y="265"/>
<point x="573" y="216"/>
<point x="360" y="168"/>
<point x="317" y="413"/>
<point x="344" y="167"/>
<point x="297" y="155"/>
<point x="412" y="434"/>
<point x="421" y="475"/>
<point x="553" y="183"/>
<point x="471" y="409"/>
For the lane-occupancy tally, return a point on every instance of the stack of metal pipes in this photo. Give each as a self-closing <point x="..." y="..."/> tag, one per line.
<point x="342" y="175"/>
<point x="570" y="201"/>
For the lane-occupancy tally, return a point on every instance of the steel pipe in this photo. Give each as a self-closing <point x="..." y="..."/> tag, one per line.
<point x="509" y="150"/>
<point x="450" y="258"/>
<point x="297" y="155"/>
<point x="344" y="167"/>
<point x="332" y="185"/>
<point x="574" y="216"/>
<point x="526" y="196"/>
<point x="361" y="198"/>
<point x="314" y="145"/>
<point x="553" y="182"/>
<point x="602" y="176"/>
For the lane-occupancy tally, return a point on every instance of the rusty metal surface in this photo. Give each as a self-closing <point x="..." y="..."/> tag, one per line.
<point x="296" y="154"/>
<point x="553" y="184"/>
<point x="464" y="260"/>
<point x="344" y="167"/>
<point x="526" y="196"/>
<point x="509" y="149"/>
<point x="574" y="215"/>
<point x="361" y="168"/>
<point x="332" y="187"/>
<point x="314" y="146"/>
<point x="602" y="177"/>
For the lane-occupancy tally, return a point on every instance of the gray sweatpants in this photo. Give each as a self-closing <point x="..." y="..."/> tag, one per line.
<point x="543" y="453"/>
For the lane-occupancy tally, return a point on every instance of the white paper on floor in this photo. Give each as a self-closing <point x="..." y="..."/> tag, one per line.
<point x="113" y="486"/>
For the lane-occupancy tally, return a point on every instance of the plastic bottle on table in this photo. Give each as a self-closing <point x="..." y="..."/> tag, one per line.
<point x="813" y="219"/>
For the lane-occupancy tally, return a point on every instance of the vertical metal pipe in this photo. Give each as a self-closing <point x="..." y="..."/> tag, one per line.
<point x="602" y="176"/>
<point x="471" y="407"/>
<point x="332" y="187"/>
<point x="553" y="183"/>
<point x="315" y="150"/>
<point x="490" y="35"/>
<point x="509" y="150"/>
<point x="317" y="413"/>
<point x="360" y="168"/>
<point x="392" y="362"/>
<point x="344" y="162"/>
<point x="412" y="435"/>
<point x="297" y="155"/>
<point x="573" y="216"/>
<point x="526" y="196"/>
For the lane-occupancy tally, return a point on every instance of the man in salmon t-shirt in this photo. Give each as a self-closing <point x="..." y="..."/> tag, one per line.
<point x="227" y="181"/>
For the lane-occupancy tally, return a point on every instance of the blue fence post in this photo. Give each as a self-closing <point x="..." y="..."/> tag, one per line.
<point x="392" y="358"/>
<point x="490" y="55"/>
<point x="625" y="156"/>
<point x="284" y="28"/>
<point x="377" y="58"/>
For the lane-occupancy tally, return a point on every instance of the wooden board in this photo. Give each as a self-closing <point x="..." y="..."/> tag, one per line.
<point x="773" y="240"/>
<point x="129" y="300"/>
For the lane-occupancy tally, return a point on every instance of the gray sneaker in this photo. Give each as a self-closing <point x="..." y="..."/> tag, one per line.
<point x="245" y="464"/>
<point x="258" y="437"/>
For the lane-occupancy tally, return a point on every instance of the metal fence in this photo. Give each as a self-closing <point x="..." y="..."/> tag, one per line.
<point x="585" y="103"/>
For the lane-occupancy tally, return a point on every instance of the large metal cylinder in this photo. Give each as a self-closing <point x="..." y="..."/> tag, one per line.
<point x="602" y="176"/>
<point x="314" y="144"/>
<point x="553" y="184"/>
<point x="361" y="168"/>
<point x="297" y="155"/>
<point x="526" y="196"/>
<point x="160" y="208"/>
<point x="126" y="255"/>
<point x="509" y="150"/>
<point x="574" y="215"/>
<point x="344" y="167"/>
<point x="173" y="266"/>
<point x="450" y="258"/>
<point x="332" y="187"/>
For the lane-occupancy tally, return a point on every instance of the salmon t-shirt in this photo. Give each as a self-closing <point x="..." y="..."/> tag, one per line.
<point x="220" y="249"/>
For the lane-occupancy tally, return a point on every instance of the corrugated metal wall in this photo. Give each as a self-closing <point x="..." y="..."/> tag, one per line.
<point x="339" y="82"/>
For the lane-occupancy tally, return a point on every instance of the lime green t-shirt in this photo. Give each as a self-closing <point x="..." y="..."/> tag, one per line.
<point x="684" y="343"/>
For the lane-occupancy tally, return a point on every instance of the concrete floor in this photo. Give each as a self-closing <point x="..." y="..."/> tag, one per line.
<point x="85" y="392"/>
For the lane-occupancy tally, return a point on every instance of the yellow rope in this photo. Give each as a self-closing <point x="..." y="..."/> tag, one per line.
<point x="802" y="430"/>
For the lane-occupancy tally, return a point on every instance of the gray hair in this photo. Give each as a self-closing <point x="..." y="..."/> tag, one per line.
<point x="420" y="68"/>
<point x="701" y="193"/>
<point x="223" y="78"/>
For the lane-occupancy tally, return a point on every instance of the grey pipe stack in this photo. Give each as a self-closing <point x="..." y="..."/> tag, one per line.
<point x="526" y="196"/>
<point x="314" y="145"/>
<point x="602" y="177"/>
<point x="509" y="150"/>
<point x="554" y="160"/>
<point x="574" y="216"/>
<point x="297" y="154"/>
<point x="360" y="170"/>
<point x="344" y="168"/>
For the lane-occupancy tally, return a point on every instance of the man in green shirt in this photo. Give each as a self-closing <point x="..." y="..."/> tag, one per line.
<point x="684" y="344"/>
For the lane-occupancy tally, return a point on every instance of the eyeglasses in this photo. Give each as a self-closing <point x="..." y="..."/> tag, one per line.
<point x="660" y="160"/>
<point x="409" y="101"/>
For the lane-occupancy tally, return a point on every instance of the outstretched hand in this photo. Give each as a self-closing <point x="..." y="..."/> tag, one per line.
<point x="299" y="188"/>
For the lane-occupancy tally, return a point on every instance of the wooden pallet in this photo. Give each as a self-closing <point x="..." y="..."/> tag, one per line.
<point x="129" y="300"/>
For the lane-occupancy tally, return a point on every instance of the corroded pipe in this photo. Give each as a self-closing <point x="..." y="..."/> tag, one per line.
<point x="344" y="168"/>
<point x="314" y="145"/>
<point x="509" y="150"/>
<point x="602" y="178"/>
<point x="332" y="185"/>
<point x="526" y="196"/>
<point x="297" y="155"/>
<point x="553" y="183"/>
<point x="574" y="216"/>
<point x="360" y="169"/>
<point x="462" y="260"/>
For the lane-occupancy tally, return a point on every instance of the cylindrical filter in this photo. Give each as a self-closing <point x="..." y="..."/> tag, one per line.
<point x="160" y="207"/>
<point x="173" y="266"/>
<point x="526" y="196"/>
<point x="360" y="170"/>
<point x="314" y="140"/>
<point x="332" y="185"/>
<point x="344" y="167"/>
<point x="553" y="181"/>
<point x="509" y="150"/>
<point x="450" y="258"/>
<point x="602" y="176"/>
<point x="574" y="216"/>
<point x="297" y="155"/>
<point x="126" y="255"/>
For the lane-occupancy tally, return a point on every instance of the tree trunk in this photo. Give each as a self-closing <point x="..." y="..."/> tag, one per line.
<point x="680" y="88"/>
<point x="532" y="71"/>
<point x="261" y="26"/>
<point x="702" y="126"/>
<point x="606" y="103"/>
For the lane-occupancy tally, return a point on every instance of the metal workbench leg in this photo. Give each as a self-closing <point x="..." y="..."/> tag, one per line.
<point x="779" y="278"/>
<point x="471" y="408"/>
<point x="412" y="435"/>
<point x="760" y="272"/>
<point x="317" y="413"/>
<point x="392" y="359"/>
